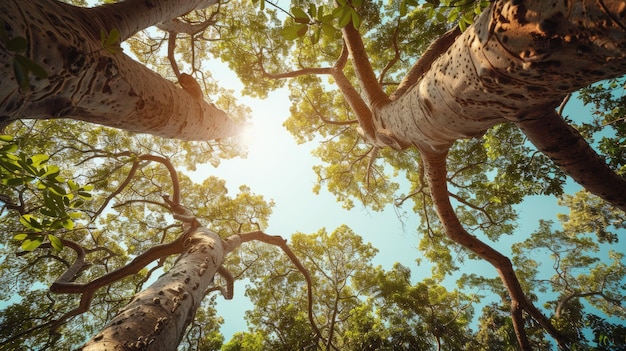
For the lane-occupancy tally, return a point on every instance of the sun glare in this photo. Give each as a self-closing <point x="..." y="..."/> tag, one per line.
<point x="262" y="140"/>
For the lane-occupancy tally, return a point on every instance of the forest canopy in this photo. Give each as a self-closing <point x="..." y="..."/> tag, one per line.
<point x="456" y="114"/>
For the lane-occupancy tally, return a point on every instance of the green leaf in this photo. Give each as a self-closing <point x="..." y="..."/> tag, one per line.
<point x="345" y="17"/>
<point x="110" y="41"/>
<point x="302" y="31"/>
<point x="55" y="189"/>
<point x="68" y="224"/>
<point x="315" y="38"/>
<point x="9" y="149"/>
<point x="6" y="137"/>
<point x="328" y="30"/>
<point x="356" y="3"/>
<point x="338" y="11"/>
<point x="462" y="25"/>
<point x="468" y="17"/>
<point x="294" y="31"/>
<point x="31" y="244"/>
<point x="21" y="75"/>
<point x="73" y="185"/>
<point x="51" y="172"/>
<point x="112" y="38"/>
<point x="20" y="236"/>
<point x="299" y="15"/>
<point x="38" y="159"/>
<point x="57" y="244"/>
<point x="356" y="20"/>
<point x="313" y="10"/>
<point x="13" y="181"/>
<point x="47" y="212"/>
<point x="84" y="195"/>
<point x="76" y="215"/>
<point x="32" y="66"/>
<point x="31" y="222"/>
<point x="289" y="32"/>
<point x="17" y="44"/>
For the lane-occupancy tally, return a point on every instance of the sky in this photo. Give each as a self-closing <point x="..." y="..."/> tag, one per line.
<point x="281" y="170"/>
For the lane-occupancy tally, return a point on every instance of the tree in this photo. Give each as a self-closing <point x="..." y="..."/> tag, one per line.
<point x="357" y="306"/>
<point x="515" y="64"/>
<point x="95" y="258"/>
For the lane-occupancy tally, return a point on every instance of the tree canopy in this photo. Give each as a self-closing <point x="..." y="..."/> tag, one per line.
<point x="453" y="108"/>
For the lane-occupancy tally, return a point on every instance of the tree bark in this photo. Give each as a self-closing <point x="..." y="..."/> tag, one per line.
<point x="89" y="83"/>
<point x="519" y="57"/>
<point x="516" y="63"/>
<point x="157" y="317"/>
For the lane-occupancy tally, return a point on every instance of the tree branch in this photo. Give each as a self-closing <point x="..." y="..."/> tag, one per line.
<point x="436" y="173"/>
<point x="396" y="56"/>
<point x="363" y="68"/>
<point x="433" y="52"/>
<point x="282" y="243"/>
<point x="568" y="149"/>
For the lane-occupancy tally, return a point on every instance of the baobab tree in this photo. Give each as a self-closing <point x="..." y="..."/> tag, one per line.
<point x="514" y="65"/>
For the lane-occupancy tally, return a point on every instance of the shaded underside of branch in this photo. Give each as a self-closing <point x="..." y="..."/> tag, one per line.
<point x="568" y="149"/>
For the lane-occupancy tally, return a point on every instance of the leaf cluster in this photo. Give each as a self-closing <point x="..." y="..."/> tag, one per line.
<point x="608" y="128"/>
<point x="357" y="305"/>
<point x="121" y="220"/>
<point x="60" y="198"/>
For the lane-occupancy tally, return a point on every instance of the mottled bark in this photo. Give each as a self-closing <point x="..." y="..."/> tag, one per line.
<point x="514" y="61"/>
<point x="568" y="150"/>
<point x="157" y="317"/>
<point x="517" y="63"/>
<point x="87" y="82"/>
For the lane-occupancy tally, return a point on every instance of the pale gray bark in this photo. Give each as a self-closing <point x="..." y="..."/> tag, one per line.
<point x="88" y="83"/>
<point x="515" y="61"/>
<point x="157" y="317"/>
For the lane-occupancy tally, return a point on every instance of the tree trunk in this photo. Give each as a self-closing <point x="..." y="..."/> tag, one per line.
<point x="89" y="83"/>
<point x="516" y="63"/>
<point x="157" y="317"/>
<point x="518" y="58"/>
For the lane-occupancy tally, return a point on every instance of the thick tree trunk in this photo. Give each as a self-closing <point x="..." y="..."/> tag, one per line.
<point x="517" y="63"/>
<point x="157" y="317"/>
<point x="86" y="82"/>
<point x="518" y="58"/>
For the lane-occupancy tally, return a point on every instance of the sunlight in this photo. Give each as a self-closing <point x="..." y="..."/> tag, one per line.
<point x="263" y="141"/>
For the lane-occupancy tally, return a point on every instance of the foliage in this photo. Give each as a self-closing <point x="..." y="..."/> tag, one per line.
<point x="111" y="41"/>
<point x="609" y="124"/>
<point x="358" y="306"/>
<point x="61" y="199"/>
<point x="461" y="12"/>
<point x="113" y="229"/>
